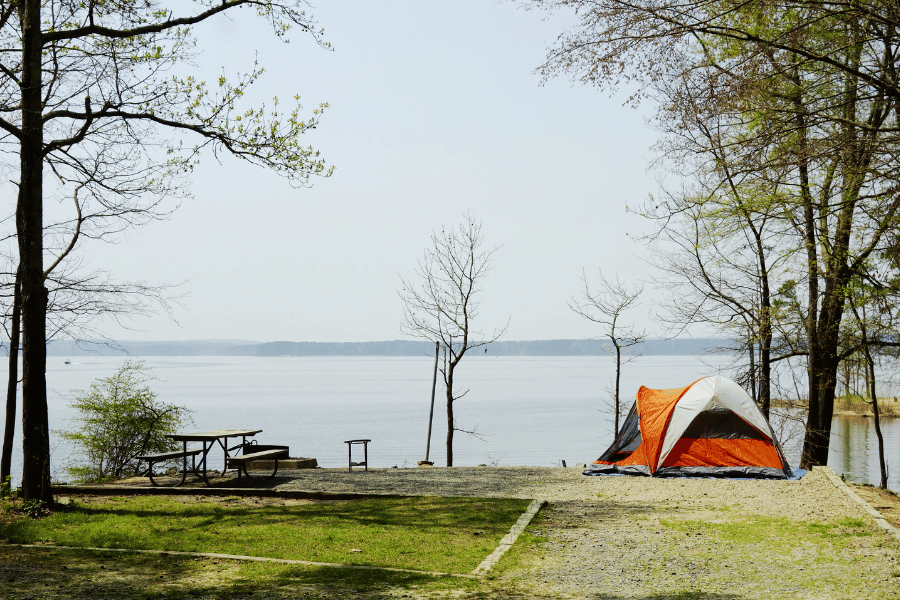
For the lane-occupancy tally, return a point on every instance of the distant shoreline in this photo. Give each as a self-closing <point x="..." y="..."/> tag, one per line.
<point x="853" y="406"/>
<point x="652" y="347"/>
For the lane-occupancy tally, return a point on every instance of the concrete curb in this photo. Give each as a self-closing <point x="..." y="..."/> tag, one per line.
<point x="127" y="490"/>
<point x="283" y="561"/>
<point x="879" y="518"/>
<point x="510" y="538"/>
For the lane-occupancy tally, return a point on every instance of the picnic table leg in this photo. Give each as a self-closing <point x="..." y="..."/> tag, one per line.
<point x="366" y="455"/>
<point x="203" y="462"/>
<point x="193" y="460"/>
<point x="349" y="456"/>
<point x="184" y="470"/>
<point x="184" y="473"/>
<point x="224" y="443"/>
<point x="184" y="462"/>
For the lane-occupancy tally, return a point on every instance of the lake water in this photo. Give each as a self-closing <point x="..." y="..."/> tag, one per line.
<point x="528" y="410"/>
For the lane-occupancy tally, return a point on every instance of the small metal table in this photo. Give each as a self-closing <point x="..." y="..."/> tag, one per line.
<point x="365" y="462"/>
<point x="208" y="439"/>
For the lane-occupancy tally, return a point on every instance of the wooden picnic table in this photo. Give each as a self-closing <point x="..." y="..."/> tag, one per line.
<point x="209" y="439"/>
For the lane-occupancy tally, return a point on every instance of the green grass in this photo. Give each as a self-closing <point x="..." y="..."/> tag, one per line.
<point x="774" y="530"/>
<point x="434" y="534"/>
<point x="51" y="573"/>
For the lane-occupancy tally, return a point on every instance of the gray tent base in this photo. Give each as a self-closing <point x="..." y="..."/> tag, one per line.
<point x="735" y="472"/>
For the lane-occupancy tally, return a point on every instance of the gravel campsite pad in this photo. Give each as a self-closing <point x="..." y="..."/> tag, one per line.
<point x="641" y="537"/>
<point x="707" y="538"/>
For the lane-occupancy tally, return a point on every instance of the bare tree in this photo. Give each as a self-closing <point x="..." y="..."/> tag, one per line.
<point x="605" y="305"/>
<point x="442" y="304"/>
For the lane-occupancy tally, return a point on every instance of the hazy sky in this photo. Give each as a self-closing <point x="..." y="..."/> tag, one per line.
<point x="435" y="109"/>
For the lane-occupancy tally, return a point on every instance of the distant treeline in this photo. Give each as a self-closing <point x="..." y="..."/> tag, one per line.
<point x="653" y="347"/>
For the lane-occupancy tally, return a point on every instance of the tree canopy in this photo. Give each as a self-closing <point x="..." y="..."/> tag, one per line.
<point x="782" y="120"/>
<point x="99" y="101"/>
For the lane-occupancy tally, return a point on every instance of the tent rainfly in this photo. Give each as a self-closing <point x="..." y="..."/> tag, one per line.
<point x="711" y="428"/>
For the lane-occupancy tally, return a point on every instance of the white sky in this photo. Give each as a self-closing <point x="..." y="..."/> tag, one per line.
<point x="435" y="110"/>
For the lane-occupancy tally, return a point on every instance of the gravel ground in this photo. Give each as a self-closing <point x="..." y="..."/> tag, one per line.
<point x="653" y="539"/>
<point x="813" y="498"/>
<point x="609" y="538"/>
<point x="638" y="537"/>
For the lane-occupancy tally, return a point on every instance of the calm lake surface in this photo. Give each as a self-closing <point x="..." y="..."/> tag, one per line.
<point x="527" y="410"/>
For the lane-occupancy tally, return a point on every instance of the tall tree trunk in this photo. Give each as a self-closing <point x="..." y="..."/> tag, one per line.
<point x="618" y="376"/>
<point x="823" y="375"/>
<point x="765" y="341"/>
<point x="837" y="274"/>
<point x="437" y="348"/>
<point x="751" y="350"/>
<point x="870" y="389"/>
<point x="448" y="388"/>
<point x="881" y="461"/>
<point x="29" y="228"/>
<point x="871" y="378"/>
<point x="762" y="393"/>
<point x="13" y="381"/>
<point x="449" y="382"/>
<point x="765" y="374"/>
<point x="812" y="437"/>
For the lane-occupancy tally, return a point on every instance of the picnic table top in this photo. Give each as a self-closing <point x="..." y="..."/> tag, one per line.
<point x="202" y="436"/>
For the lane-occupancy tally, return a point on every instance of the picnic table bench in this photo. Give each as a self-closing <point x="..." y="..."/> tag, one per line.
<point x="152" y="459"/>
<point x="208" y="439"/>
<point x="250" y="451"/>
<point x="240" y="462"/>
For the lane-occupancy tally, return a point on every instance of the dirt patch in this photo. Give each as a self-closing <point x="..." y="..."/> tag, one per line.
<point x="86" y="500"/>
<point x="884" y="501"/>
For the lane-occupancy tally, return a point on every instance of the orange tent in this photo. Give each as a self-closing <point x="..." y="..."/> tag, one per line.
<point x="710" y="428"/>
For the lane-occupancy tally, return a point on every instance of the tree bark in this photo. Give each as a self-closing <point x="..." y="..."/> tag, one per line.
<point x="437" y="347"/>
<point x="813" y="435"/>
<point x="870" y="388"/>
<point x="618" y="374"/>
<point x="13" y="381"/>
<point x="449" y="382"/>
<point x="765" y="365"/>
<point x="751" y="350"/>
<point x="881" y="461"/>
<point x="870" y="368"/>
<point x="29" y="228"/>
<point x="765" y="335"/>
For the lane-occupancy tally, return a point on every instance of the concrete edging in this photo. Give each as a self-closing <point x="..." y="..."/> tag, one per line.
<point x="127" y="490"/>
<point x="839" y="483"/>
<point x="284" y="561"/>
<point x="510" y="538"/>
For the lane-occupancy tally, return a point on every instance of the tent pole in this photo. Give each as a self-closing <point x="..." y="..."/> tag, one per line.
<point x="437" y="346"/>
